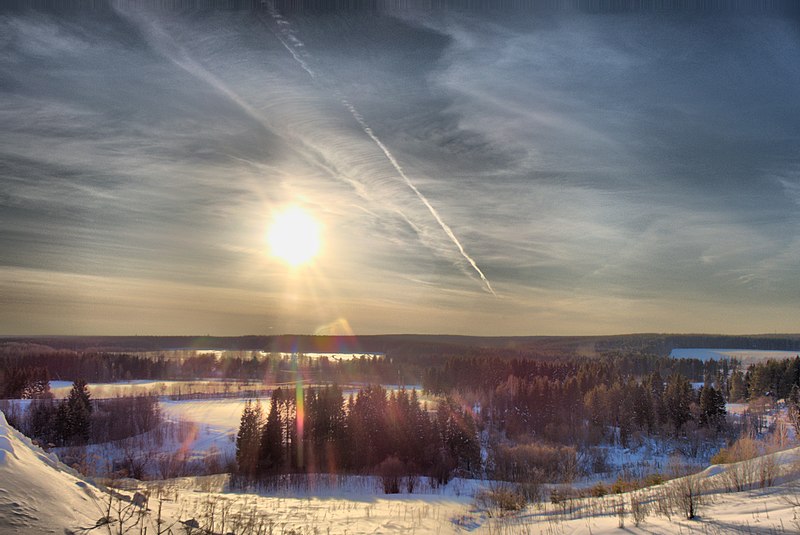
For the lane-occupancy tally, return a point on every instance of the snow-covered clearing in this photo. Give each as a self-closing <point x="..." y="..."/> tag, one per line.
<point x="215" y="422"/>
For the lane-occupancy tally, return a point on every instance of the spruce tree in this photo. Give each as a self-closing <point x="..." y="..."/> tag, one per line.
<point x="712" y="407"/>
<point x="270" y="457"/>
<point x="247" y="440"/>
<point x="78" y="414"/>
<point x="677" y="400"/>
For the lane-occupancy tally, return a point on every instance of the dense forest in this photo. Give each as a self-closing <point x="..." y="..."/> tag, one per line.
<point x="373" y="431"/>
<point x="526" y="415"/>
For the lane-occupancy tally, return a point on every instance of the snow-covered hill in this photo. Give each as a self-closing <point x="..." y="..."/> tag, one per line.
<point x="37" y="493"/>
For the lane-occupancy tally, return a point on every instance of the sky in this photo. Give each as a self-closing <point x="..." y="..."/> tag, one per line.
<point x="472" y="171"/>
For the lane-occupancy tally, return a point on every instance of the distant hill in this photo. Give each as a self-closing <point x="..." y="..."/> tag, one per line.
<point x="422" y="345"/>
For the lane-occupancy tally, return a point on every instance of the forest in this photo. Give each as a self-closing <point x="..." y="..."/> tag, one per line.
<point x="504" y="418"/>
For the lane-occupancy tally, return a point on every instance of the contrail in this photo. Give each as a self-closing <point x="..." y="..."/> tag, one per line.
<point x="431" y="209"/>
<point x="284" y="24"/>
<point x="284" y="35"/>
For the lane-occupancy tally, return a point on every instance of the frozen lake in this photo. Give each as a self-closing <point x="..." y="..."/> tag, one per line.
<point x="745" y="356"/>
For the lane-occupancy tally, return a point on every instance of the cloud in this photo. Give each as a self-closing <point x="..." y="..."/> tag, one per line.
<point x="601" y="170"/>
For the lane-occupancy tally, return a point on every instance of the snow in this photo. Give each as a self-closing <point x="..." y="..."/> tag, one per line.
<point x="60" y="389"/>
<point x="37" y="493"/>
<point x="745" y="356"/>
<point x="329" y="356"/>
<point x="40" y="495"/>
<point x="216" y="422"/>
<point x="736" y="408"/>
<point x="353" y="509"/>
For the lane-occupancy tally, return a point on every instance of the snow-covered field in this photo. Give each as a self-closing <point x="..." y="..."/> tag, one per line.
<point x="40" y="495"/>
<point x="745" y="356"/>
<point x="215" y="422"/>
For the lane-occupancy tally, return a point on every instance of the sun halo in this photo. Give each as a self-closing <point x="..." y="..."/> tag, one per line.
<point x="294" y="236"/>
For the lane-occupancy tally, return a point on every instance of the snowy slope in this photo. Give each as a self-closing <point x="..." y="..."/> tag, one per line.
<point x="37" y="493"/>
<point x="40" y="495"/>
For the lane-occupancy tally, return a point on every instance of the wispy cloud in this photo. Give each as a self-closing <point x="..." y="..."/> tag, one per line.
<point x="601" y="170"/>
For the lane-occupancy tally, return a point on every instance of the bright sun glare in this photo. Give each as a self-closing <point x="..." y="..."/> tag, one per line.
<point x="294" y="236"/>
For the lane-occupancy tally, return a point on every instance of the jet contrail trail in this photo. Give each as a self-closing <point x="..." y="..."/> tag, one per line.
<point x="284" y="35"/>
<point x="431" y="209"/>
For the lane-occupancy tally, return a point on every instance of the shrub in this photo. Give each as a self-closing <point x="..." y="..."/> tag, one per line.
<point x="623" y="485"/>
<point x="653" y="479"/>
<point x="639" y="508"/>
<point x="767" y="471"/>
<point x="598" y="490"/>
<point x="531" y="490"/>
<point x="535" y="462"/>
<point x="686" y="492"/>
<point x="391" y="471"/>
<point x="500" y="499"/>
<point x="743" y="471"/>
<point x="743" y="449"/>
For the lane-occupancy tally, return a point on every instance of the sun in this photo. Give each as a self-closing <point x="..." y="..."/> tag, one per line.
<point x="294" y="236"/>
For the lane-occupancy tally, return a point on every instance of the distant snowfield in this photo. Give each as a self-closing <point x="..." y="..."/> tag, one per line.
<point x="746" y="356"/>
<point x="60" y="389"/>
<point x="40" y="495"/>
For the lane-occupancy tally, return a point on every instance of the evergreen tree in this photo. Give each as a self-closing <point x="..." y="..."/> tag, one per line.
<point x="61" y="426"/>
<point x="367" y="422"/>
<point x="712" y="407"/>
<point x="270" y="458"/>
<point x="325" y="421"/>
<point x="738" y="390"/>
<point x="655" y="387"/>
<point x="41" y="421"/>
<point x="643" y="412"/>
<point x="247" y="440"/>
<point x="678" y="397"/>
<point x="459" y="437"/>
<point x="77" y="428"/>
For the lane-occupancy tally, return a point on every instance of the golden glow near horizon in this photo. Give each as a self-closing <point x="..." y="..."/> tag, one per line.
<point x="294" y="236"/>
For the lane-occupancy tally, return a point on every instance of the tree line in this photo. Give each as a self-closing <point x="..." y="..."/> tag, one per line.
<point x="78" y="420"/>
<point x="572" y="411"/>
<point x="23" y="374"/>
